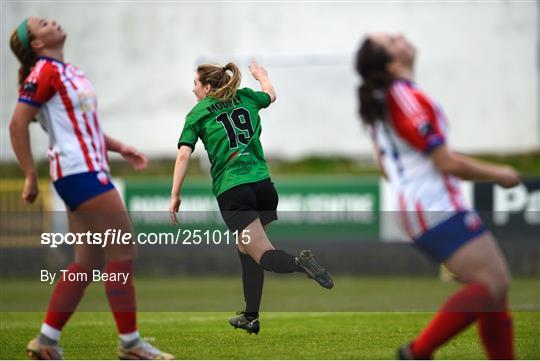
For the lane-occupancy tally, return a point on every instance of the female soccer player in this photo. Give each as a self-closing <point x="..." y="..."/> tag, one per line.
<point x="63" y="99"/>
<point x="409" y="133"/>
<point x="227" y="121"/>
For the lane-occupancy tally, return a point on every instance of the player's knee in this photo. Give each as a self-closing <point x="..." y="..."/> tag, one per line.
<point x="496" y="281"/>
<point x="505" y="282"/>
<point x="90" y="264"/>
<point x="125" y="253"/>
<point x="259" y="252"/>
<point x="241" y="248"/>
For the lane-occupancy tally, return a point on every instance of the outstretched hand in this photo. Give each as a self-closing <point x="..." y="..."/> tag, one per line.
<point x="257" y="70"/>
<point x="508" y="177"/>
<point x="138" y="160"/>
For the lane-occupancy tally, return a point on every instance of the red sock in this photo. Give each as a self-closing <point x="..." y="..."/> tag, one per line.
<point x="496" y="332"/>
<point x="459" y="311"/>
<point x="122" y="296"/>
<point x="67" y="295"/>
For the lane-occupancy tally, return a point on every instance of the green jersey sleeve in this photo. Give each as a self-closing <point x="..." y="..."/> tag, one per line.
<point x="189" y="134"/>
<point x="262" y="99"/>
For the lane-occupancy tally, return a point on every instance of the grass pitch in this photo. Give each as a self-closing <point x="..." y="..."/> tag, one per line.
<point x="363" y="318"/>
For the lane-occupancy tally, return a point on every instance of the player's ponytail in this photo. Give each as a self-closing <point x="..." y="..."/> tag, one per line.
<point x="371" y="62"/>
<point x="25" y="55"/>
<point x="224" y="85"/>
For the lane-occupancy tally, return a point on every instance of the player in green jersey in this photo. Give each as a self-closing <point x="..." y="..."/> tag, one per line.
<point x="227" y="121"/>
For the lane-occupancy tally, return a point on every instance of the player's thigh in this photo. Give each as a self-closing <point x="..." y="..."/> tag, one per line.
<point x="257" y="243"/>
<point x="481" y="261"/>
<point x="240" y="244"/>
<point x="108" y="212"/>
<point x="88" y="256"/>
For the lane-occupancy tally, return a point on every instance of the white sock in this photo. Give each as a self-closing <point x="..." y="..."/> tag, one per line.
<point x="129" y="337"/>
<point x="50" y="332"/>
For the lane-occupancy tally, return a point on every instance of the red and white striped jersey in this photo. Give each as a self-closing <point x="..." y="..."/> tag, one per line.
<point x="68" y="111"/>
<point x="415" y="126"/>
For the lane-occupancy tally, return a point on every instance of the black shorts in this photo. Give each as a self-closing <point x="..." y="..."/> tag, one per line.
<point x="244" y="203"/>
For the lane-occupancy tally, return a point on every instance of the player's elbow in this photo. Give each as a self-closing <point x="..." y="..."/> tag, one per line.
<point x="183" y="157"/>
<point x="449" y="165"/>
<point x="184" y="154"/>
<point x="445" y="161"/>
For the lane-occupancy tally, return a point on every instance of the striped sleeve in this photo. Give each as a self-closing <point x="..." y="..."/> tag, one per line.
<point x="40" y="85"/>
<point x="414" y="118"/>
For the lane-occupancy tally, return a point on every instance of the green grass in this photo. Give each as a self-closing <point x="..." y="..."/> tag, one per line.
<point x="380" y="320"/>
<point x="285" y="293"/>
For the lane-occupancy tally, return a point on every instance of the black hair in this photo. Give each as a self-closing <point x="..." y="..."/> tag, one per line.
<point x="371" y="63"/>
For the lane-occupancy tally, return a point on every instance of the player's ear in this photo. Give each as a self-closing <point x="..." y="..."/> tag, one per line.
<point x="392" y="67"/>
<point x="36" y="44"/>
<point x="207" y="89"/>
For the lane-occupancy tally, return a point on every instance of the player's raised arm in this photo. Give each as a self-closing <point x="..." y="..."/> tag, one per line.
<point x="261" y="75"/>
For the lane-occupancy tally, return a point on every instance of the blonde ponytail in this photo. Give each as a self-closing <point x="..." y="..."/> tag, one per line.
<point x="224" y="85"/>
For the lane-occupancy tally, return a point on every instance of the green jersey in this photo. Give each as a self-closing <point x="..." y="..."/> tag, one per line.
<point x="230" y="132"/>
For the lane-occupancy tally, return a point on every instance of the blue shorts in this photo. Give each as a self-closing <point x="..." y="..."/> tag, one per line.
<point x="441" y="241"/>
<point x="78" y="188"/>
